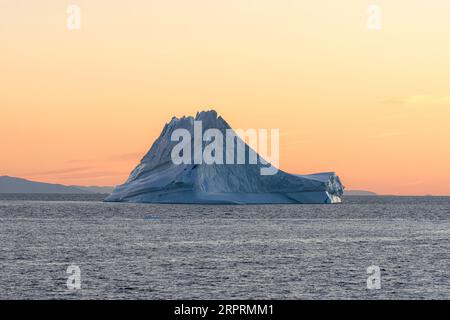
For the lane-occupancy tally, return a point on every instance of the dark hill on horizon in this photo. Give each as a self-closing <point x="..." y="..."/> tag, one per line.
<point x="18" y="185"/>
<point x="359" y="193"/>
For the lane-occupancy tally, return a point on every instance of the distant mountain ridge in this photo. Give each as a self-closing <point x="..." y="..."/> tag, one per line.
<point x="96" y="189"/>
<point x="18" y="185"/>
<point x="359" y="193"/>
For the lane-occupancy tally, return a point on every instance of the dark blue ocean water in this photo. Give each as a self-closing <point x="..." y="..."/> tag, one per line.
<point x="141" y="251"/>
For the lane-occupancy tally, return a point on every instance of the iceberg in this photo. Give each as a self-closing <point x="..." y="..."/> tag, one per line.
<point x="157" y="179"/>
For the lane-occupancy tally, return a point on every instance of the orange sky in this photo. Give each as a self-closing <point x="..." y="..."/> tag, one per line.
<point x="82" y="107"/>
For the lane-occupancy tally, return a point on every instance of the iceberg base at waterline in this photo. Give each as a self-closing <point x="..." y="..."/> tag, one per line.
<point x="203" y="197"/>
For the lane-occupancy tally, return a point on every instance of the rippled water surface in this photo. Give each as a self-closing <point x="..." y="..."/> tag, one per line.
<point x="142" y="251"/>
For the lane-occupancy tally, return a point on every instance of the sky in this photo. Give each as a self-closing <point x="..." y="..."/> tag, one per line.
<point x="83" y="106"/>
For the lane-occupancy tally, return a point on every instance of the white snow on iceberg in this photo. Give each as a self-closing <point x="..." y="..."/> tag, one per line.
<point x="158" y="180"/>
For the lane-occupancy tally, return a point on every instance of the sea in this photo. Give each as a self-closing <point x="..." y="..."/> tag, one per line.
<point x="369" y="247"/>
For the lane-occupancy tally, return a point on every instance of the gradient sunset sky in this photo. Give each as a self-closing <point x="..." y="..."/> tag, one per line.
<point x="83" y="106"/>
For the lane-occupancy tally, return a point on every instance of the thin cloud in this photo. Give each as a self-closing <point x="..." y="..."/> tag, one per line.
<point x="423" y="99"/>
<point x="389" y="134"/>
<point x="79" y="161"/>
<point x="83" y="172"/>
<point x="126" y="156"/>
<point x="290" y="133"/>
<point x="296" y="142"/>
<point x="58" y="172"/>
<point x="118" y="157"/>
<point x="94" y="174"/>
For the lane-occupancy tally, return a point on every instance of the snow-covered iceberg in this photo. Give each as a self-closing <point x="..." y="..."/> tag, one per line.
<point x="157" y="179"/>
